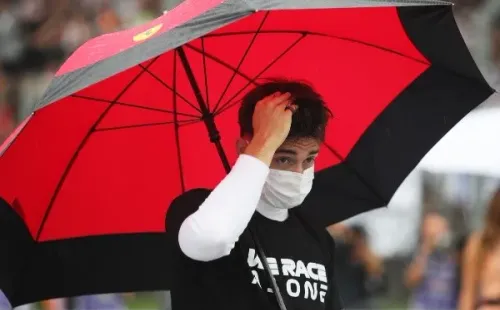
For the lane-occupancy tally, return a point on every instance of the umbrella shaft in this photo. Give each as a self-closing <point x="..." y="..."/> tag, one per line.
<point x="207" y="116"/>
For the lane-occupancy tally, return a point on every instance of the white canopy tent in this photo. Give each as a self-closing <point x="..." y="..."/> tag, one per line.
<point x="471" y="147"/>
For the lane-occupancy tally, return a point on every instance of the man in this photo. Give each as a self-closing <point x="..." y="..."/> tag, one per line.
<point x="218" y="233"/>
<point x="433" y="272"/>
<point x="359" y="269"/>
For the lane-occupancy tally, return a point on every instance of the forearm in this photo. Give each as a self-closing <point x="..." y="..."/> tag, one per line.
<point x="373" y="264"/>
<point x="416" y="270"/>
<point x="212" y="231"/>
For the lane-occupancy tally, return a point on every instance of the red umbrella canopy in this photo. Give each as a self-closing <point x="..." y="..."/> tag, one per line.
<point x="135" y="118"/>
<point x="125" y="173"/>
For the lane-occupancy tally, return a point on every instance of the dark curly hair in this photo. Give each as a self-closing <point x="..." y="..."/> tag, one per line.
<point x="309" y="121"/>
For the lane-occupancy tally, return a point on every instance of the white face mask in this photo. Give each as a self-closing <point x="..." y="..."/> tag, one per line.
<point x="286" y="189"/>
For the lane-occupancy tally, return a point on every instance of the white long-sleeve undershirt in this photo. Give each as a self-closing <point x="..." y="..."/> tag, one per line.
<point x="212" y="231"/>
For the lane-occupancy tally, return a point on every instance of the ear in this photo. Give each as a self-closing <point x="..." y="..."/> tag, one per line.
<point x="241" y="145"/>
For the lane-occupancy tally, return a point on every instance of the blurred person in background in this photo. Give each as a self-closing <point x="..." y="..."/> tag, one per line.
<point x="481" y="271"/>
<point x="467" y="13"/>
<point x="32" y="87"/>
<point x="467" y="6"/>
<point x="4" y="302"/>
<point x="460" y="250"/>
<point x="54" y="304"/>
<point x="492" y="72"/>
<point x="433" y="274"/>
<point x="101" y="302"/>
<point x="7" y="121"/>
<point x="476" y="21"/>
<point x="32" y="13"/>
<point x="77" y="30"/>
<point x="7" y="117"/>
<point x="11" y="40"/>
<point x="44" y="37"/>
<point x="495" y="40"/>
<point x="359" y="270"/>
<point x="5" y="305"/>
<point x="107" y="18"/>
<point x="163" y="300"/>
<point x="147" y="10"/>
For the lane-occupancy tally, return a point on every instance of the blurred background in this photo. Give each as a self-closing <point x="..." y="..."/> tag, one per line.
<point x="380" y="253"/>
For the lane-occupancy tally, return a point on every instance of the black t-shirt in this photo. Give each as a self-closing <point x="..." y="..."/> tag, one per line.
<point x="299" y="254"/>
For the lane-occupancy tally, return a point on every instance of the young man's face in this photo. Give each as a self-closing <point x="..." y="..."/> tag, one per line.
<point x="296" y="155"/>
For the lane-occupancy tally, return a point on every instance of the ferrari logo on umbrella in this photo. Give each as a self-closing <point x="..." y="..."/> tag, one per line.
<point x="147" y="34"/>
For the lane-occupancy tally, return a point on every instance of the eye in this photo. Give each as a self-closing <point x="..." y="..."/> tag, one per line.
<point x="283" y="160"/>
<point x="310" y="160"/>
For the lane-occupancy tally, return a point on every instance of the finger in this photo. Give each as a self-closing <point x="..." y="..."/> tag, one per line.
<point x="269" y="98"/>
<point x="288" y="105"/>
<point x="274" y="95"/>
<point x="280" y="99"/>
<point x="292" y="107"/>
<point x="283" y="104"/>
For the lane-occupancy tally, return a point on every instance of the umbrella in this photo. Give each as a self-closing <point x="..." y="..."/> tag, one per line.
<point x="135" y="118"/>
<point x="469" y="147"/>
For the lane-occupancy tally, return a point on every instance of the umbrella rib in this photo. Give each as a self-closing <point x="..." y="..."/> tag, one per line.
<point x="228" y="103"/>
<point x="252" y="41"/>
<point x="220" y="62"/>
<point x="78" y="150"/>
<point x="134" y="106"/>
<point x="356" y="173"/>
<point x="176" y="124"/>
<point x="311" y="33"/>
<point x="170" y="88"/>
<point x="205" y="73"/>
<point x="144" y="125"/>
<point x="187" y="123"/>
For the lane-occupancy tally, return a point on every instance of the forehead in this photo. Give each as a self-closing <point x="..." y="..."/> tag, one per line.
<point x="301" y="146"/>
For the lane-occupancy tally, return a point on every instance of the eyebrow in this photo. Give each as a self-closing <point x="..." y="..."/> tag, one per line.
<point x="293" y="152"/>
